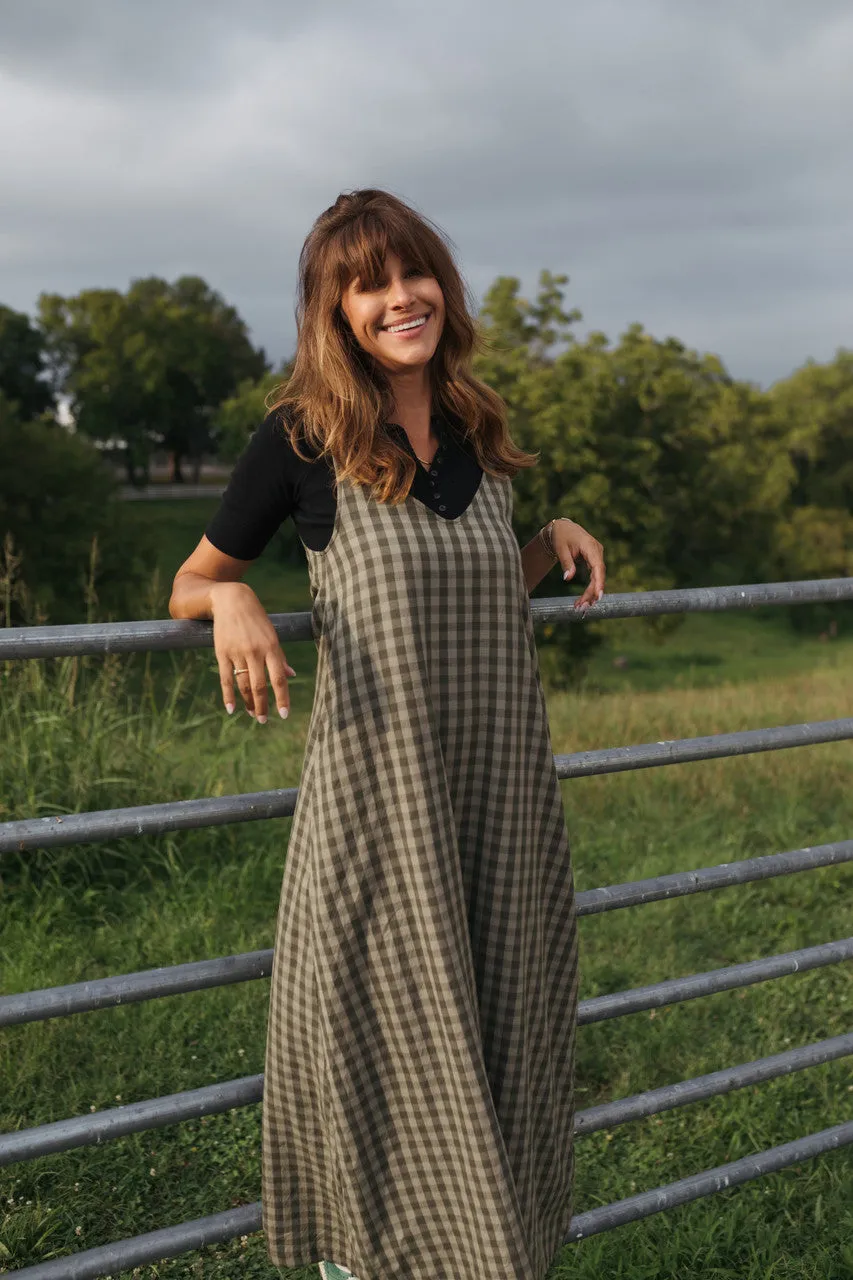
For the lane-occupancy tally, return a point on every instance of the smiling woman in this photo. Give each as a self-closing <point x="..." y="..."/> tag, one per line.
<point x="369" y="265"/>
<point x="418" y="1110"/>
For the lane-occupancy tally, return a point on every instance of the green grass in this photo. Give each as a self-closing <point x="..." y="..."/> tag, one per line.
<point x="92" y="733"/>
<point x="283" y="586"/>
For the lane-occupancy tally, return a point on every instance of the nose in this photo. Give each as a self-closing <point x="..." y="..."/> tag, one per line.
<point x="400" y="291"/>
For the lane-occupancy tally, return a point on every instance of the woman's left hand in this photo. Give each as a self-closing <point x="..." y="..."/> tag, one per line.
<point x="572" y="540"/>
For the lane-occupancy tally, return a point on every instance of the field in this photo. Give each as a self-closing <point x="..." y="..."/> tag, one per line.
<point x="92" y="733"/>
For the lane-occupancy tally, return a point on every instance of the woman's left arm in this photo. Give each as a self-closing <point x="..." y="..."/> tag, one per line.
<point x="561" y="542"/>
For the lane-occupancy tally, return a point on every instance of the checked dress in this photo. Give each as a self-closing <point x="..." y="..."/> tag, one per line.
<point x="418" y="1105"/>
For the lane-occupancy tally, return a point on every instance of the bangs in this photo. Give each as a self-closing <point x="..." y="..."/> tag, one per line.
<point x="361" y="247"/>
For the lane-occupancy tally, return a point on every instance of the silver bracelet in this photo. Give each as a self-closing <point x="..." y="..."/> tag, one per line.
<point x="546" y="536"/>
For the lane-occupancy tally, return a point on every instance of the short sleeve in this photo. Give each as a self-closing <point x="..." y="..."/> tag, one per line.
<point x="260" y="494"/>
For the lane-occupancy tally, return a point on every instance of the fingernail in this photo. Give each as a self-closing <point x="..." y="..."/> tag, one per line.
<point x="229" y="707"/>
<point x="262" y="719"/>
<point x="567" y="574"/>
<point x="282" y="711"/>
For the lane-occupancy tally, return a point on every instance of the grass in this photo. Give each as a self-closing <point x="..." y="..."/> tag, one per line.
<point x="92" y="733"/>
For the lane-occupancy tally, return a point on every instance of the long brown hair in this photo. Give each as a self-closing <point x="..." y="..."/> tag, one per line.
<point x="337" y="396"/>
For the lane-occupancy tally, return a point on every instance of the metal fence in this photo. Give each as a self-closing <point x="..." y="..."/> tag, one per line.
<point x="31" y="833"/>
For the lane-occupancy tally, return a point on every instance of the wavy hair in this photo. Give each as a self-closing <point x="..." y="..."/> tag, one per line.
<point x="337" y="397"/>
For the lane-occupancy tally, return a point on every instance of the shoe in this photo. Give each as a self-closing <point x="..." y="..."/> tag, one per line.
<point x="331" y="1271"/>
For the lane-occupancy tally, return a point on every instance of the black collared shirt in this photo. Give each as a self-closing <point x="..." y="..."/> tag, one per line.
<point x="271" y="482"/>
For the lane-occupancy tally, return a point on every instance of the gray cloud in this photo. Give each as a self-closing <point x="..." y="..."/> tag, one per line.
<point x="687" y="165"/>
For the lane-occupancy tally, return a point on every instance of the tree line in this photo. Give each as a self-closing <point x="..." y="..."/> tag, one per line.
<point x="688" y="475"/>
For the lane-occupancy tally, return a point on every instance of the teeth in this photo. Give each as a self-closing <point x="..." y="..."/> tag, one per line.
<point x="412" y="324"/>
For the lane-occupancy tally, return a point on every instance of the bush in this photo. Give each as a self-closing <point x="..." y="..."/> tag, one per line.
<point x="64" y="531"/>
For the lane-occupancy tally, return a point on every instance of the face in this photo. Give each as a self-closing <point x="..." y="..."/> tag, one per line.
<point x="374" y="311"/>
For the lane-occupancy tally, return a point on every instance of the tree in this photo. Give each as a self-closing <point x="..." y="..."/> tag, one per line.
<point x="22" y="365"/>
<point x="149" y="367"/>
<point x="239" y="415"/>
<point x="814" y="408"/>
<point x="57" y="495"/>
<point x="680" y="470"/>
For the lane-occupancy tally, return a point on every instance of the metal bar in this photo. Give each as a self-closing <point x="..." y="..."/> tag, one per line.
<point x="168" y="1242"/>
<point x="583" y="764"/>
<point x="609" y="1114"/>
<point x="155" y="1113"/>
<point x="161" y="634"/>
<point x="53" y="831"/>
<point x="636" y="893"/>
<point x="676" y="990"/>
<point x="147" y="819"/>
<point x="246" y="1219"/>
<point x="32" y="1006"/>
<point x="708" y="1182"/>
<point x="130" y="988"/>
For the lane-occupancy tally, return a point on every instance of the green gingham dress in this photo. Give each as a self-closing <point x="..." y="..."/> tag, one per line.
<point x="418" y="1107"/>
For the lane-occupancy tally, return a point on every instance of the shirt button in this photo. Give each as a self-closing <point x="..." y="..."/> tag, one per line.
<point x="433" y="473"/>
<point x="442" y="508"/>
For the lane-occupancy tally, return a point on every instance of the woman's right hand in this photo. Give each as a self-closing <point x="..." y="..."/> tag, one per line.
<point x="243" y="636"/>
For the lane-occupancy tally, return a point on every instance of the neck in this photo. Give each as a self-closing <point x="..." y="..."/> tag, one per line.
<point x="412" y="394"/>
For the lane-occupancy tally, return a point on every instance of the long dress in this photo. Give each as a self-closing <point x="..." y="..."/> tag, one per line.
<point x="418" y="1107"/>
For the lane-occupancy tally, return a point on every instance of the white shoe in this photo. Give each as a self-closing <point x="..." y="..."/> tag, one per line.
<point x="331" y="1271"/>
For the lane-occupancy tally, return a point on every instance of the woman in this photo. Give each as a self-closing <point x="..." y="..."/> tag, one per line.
<point x="418" y="1096"/>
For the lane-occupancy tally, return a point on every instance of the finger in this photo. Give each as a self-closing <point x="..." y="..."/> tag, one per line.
<point x="226" y="681"/>
<point x="569" y="568"/>
<point x="244" y="685"/>
<point x="258" y="678"/>
<point x="279" y="668"/>
<point x="595" y="589"/>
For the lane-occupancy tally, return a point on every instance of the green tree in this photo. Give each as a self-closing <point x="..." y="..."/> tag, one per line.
<point x="22" y="365"/>
<point x="239" y="415"/>
<point x="677" y="468"/>
<point x="63" y="527"/>
<point x="149" y="367"/>
<point x="814" y="407"/>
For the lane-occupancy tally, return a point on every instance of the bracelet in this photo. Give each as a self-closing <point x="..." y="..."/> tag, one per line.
<point x="546" y="536"/>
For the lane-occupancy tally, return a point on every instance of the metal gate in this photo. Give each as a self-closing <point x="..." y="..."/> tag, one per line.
<point x="126" y="637"/>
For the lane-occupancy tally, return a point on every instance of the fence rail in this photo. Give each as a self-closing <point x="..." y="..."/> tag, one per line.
<point x="161" y="634"/>
<point x="27" y="834"/>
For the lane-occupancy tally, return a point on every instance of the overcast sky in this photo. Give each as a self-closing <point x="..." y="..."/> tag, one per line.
<point x="686" y="162"/>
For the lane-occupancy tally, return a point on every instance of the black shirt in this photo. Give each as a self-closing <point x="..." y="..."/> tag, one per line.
<point x="271" y="482"/>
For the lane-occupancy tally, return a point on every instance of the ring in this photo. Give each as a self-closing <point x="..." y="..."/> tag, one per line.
<point x="240" y="671"/>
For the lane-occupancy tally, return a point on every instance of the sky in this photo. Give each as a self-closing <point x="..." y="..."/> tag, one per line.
<point x="687" y="164"/>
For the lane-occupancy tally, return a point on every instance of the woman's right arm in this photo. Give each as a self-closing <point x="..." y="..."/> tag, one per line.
<point x="208" y="585"/>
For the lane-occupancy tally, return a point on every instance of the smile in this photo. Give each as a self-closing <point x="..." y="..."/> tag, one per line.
<point x="417" y="323"/>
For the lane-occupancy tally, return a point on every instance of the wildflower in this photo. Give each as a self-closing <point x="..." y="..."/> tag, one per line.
<point x="93" y="1107"/>
<point x="240" y="1053"/>
<point x="152" y="1172"/>
<point x="78" y="1231"/>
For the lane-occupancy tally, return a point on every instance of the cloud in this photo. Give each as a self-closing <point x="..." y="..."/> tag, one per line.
<point x="686" y="165"/>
